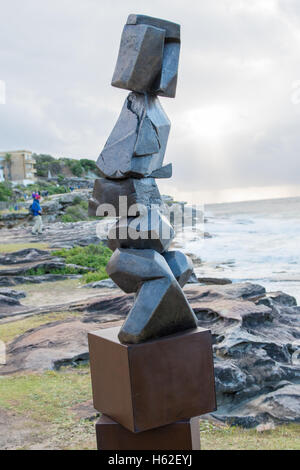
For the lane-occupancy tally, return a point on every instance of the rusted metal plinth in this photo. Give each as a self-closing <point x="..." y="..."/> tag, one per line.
<point x="151" y="390"/>
<point x="182" y="435"/>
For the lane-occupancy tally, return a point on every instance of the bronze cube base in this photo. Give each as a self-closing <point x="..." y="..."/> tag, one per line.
<point x="182" y="435"/>
<point x="152" y="384"/>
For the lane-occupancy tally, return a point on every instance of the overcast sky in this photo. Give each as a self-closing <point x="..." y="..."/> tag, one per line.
<point x="235" y="120"/>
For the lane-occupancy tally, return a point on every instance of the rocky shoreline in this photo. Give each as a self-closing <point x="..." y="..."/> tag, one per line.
<point x="255" y="333"/>
<point x="255" y="336"/>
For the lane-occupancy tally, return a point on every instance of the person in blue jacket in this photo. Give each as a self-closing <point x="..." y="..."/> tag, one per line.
<point x="36" y="211"/>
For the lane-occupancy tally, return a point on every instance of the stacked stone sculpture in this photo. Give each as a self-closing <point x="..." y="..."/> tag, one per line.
<point x="144" y="377"/>
<point x="130" y="162"/>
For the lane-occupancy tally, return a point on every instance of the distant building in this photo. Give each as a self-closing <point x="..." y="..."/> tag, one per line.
<point x="17" y="166"/>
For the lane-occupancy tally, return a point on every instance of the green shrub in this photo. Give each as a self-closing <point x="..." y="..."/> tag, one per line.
<point x="77" y="200"/>
<point x="65" y="270"/>
<point x="6" y="191"/>
<point x="88" y="165"/>
<point x="77" y="169"/>
<point x="92" y="256"/>
<point x="77" y="212"/>
<point x="95" y="276"/>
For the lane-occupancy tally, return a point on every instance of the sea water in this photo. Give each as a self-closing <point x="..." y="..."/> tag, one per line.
<point x="257" y="241"/>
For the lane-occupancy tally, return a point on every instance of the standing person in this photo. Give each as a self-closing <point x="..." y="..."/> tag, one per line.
<point x="36" y="211"/>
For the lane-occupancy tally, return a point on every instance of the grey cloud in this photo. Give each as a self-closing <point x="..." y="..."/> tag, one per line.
<point x="57" y="58"/>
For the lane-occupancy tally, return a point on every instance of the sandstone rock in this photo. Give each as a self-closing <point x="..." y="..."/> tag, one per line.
<point x="13" y="281"/>
<point x="5" y="300"/>
<point x="24" y="256"/>
<point x="105" y="283"/>
<point x="14" y="294"/>
<point x="51" y="346"/>
<point x="256" y="348"/>
<point x="214" y="281"/>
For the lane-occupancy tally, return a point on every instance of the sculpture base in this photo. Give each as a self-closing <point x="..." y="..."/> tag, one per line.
<point x="152" y="384"/>
<point x="182" y="435"/>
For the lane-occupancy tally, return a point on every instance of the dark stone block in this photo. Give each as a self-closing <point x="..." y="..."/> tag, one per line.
<point x="140" y="57"/>
<point x="129" y="268"/>
<point x="119" y="158"/>
<point x="160" y="309"/>
<point x="150" y="231"/>
<point x="147" y="141"/>
<point x="182" y="435"/>
<point x="163" y="172"/>
<point x="131" y="191"/>
<point x="180" y="265"/>
<point x="152" y="384"/>
<point x="172" y="30"/>
<point x="167" y="82"/>
<point x="144" y="63"/>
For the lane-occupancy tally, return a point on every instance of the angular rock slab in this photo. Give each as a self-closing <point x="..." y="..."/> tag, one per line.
<point x="160" y="309"/>
<point x="150" y="231"/>
<point x="163" y="172"/>
<point x="140" y="54"/>
<point x="172" y="30"/>
<point x="137" y="144"/>
<point x="122" y="194"/>
<point x="140" y="57"/>
<point x="130" y="268"/>
<point x="180" y="265"/>
<point x="166" y="83"/>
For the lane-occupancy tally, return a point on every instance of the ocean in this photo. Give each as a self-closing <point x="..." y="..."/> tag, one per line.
<point x="257" y="241"/>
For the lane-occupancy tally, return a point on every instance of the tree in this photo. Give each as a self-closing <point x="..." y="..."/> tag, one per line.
<point x="77" y="169"/>
<point x="8" y="159"/>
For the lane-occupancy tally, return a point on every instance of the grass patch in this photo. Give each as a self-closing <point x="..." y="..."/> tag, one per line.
<point x="92" y="256"/>
<point x="284" y="437"/>
<point x="77" y="212"/>
<point x="13" y="211"/>
<point x="10" y="331"/>
<point x="12" y="247"/>
<point x="47" y="396"/>
<point x="65" y="270"/>
<point x="46" y="400"/>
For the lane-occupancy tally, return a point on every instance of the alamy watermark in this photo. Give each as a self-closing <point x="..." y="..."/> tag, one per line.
<point x="2" y="92"/>
<point x="138" y="221"/>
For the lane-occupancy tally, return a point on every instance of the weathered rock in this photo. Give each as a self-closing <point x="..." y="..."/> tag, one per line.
<point x="24" y="256"/>
<point x="14" y="294"/>
<point x="228" y="377"/>
<point x="5" y="300"/>
<point x="275" y="298"/>
<point x="50" y="346"/>
<point x="55" y="263"/>
<point x="104" y="284"/>
<point x="279" y="406"/>
<point x="14" y="281"/>
<point x="255" y="361"/>
<point x="214" y="281"/>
